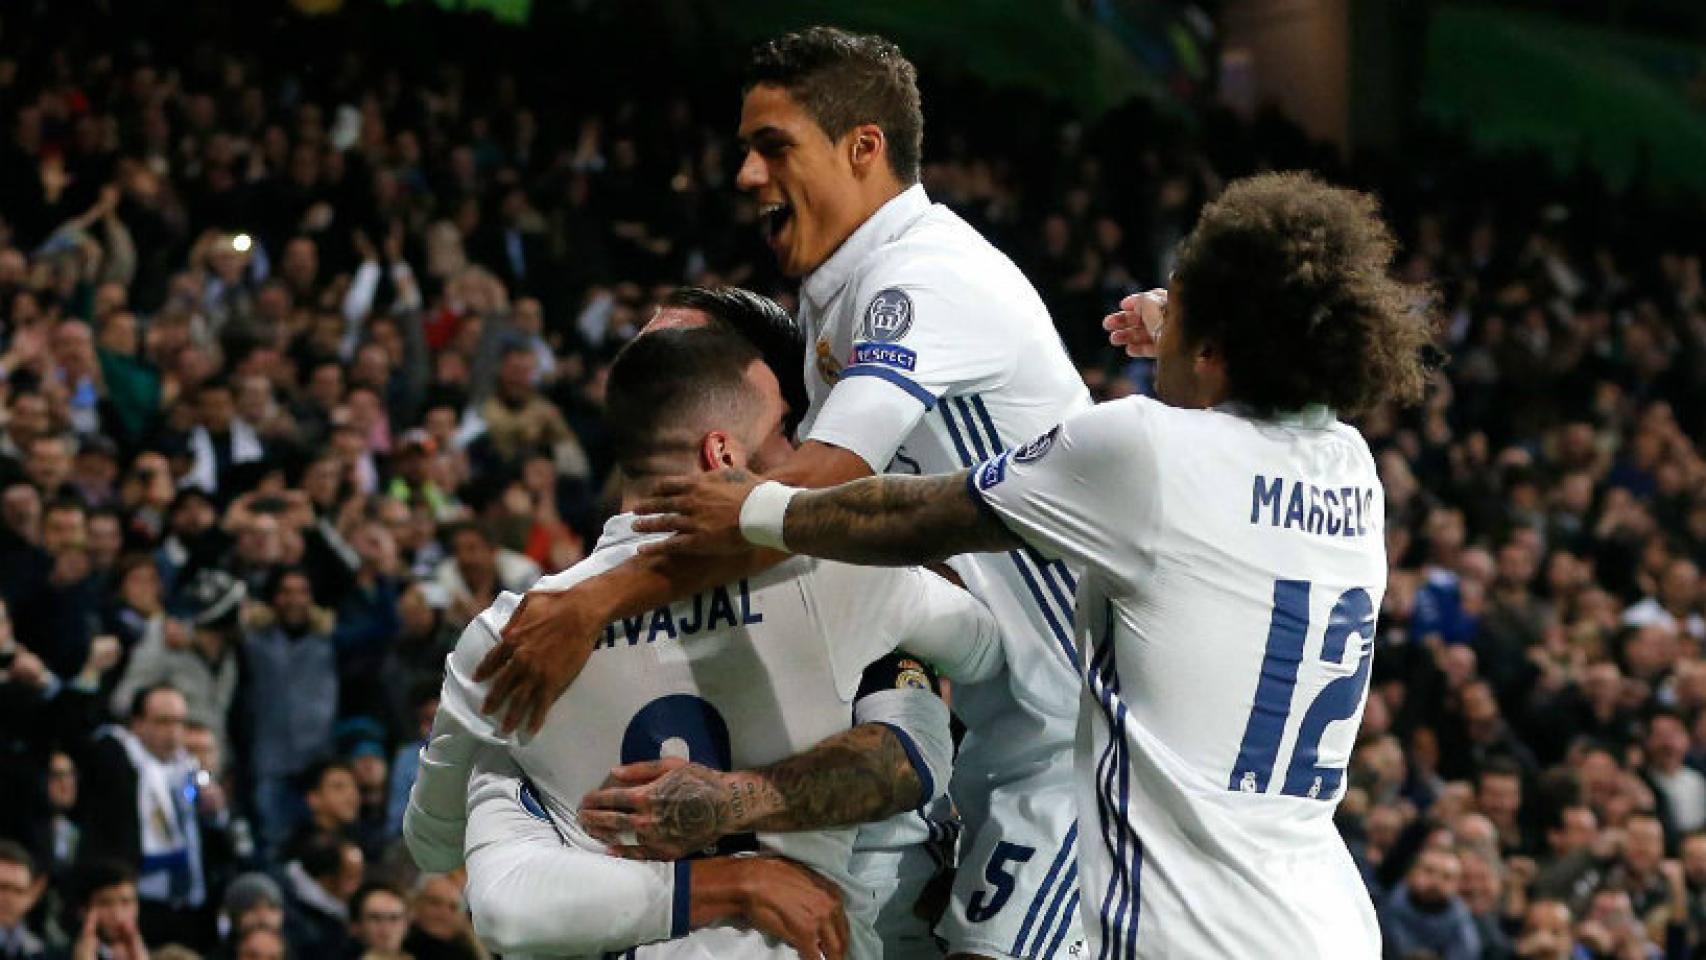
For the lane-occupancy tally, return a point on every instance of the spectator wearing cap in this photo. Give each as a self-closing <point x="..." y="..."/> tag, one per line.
<point x="1424" y="912"/>
<point x="366" y="760"/>
<point x="195" y="651"/>
<point x="411" y="480"/>
<point x="291" y="699"/>
<point x="21" y="885"/>
<point x="251" y="900"/>
<point x="139" y="808"/>
<point x="95" y="471"/>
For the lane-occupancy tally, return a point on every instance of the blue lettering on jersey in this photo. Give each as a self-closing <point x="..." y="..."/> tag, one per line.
<point x="662" y="622"/>
<point x="748" y="616"/>
<point x="692" y="626"/>
<point x="1294" y="509"/>
<point x="886" y="355"/>
<point x="1266" y="495"/>
<point x="721" y="608"/>
<point x="1328" y="511"/>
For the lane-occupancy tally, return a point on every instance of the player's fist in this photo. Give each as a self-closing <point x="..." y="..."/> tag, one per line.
<point x="1137" y="324"/>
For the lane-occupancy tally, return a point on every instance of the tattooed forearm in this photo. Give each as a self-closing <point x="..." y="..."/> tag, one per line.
<point x="858" y="776"/>
<point x="894" y="521"/>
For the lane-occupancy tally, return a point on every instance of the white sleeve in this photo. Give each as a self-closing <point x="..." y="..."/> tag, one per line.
<point x="923" y="333"/>
<point x="461" y="697"/>
<point x="435" y="823"/>
<point x="1085" y="492"/>
<point x="867" y="612"/>
<point x="531" y="893"/>
<point x="919" y="720"/>
<point x="950" y="628"/>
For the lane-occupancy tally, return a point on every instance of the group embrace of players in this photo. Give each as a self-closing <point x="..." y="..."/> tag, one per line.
<point x="1155" y="617"/>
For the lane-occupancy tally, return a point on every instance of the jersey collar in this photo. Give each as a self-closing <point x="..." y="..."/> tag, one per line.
<point x="890" y="221"/>
<point x="1315" y="416"/>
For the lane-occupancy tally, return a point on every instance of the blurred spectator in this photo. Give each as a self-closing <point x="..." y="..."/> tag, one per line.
<point x="21" y="885"/>
<point x="291" y="700"/>
<point x="139" y="794"/>
<point x="195" y="655"/>
<point x="478" y="570"/>
<point x="107" y="914"/>
<point x="318" y="884"/>
<point x="439" y="927"/>
<point x="261" y="943"/>
<point x="251" y="900"/>
<point x="1547" y="933"/>
<point x="1424" y="912"/>
<point x="379" y="916"/>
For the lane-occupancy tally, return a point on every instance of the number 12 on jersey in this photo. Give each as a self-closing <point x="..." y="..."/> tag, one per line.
<point x="1270" y="715"/>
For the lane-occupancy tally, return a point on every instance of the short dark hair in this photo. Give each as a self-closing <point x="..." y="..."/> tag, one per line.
<point x="102" y="874"/>
<point x="665" y="384"/>
<point x="845" y="79"/>
<point x="321" y="854"/>
<point x="14" y="853"/>
<point x="762" y="321"/>
<point x="139" y="700"/>
<point x="1498" y="765"/>
<point x="366" y="892"/>
<point x="309" y="779"/>
<point x="1289" y="278"/>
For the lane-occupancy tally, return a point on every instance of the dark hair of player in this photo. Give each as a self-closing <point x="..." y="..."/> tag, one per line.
<point x="764" y="324"/>
<point x="845" y="79"/>
<point x="670" y="386"/>
<point x="1289" y="278"/>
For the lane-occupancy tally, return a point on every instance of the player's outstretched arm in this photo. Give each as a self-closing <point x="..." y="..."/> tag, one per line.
<point x="551" y="636"/>
<point x="673" y="808"/>
<point x="878" y="521"/>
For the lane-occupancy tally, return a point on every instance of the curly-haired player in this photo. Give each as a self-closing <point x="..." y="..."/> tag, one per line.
<point x="1232" y="542"/>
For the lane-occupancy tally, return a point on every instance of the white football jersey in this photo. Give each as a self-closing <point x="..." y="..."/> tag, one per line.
<point x="740" y="676"/>
<point x="928" y="352"/>
<point x="1233" y="568"/>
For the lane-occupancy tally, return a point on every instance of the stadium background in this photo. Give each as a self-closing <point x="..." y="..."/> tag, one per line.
<point x="204" y="213"/>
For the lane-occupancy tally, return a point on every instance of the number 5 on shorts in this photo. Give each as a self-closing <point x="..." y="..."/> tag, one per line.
<point x="980" y="907"/>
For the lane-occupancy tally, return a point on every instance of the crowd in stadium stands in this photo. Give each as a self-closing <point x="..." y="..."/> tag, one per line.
<point x="301" y="367"/>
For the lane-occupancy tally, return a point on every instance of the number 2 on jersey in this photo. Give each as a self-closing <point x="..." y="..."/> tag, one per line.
<point x="1352" y="616"/>
<point x="682" y="725"/>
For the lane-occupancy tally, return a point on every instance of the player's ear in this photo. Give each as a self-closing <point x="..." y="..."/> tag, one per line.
<point x="865" y="147"/>
<point x="717" y="451"/>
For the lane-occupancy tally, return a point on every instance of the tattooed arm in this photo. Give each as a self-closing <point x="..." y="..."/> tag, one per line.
<point x="878" y="521"/>
<point x="858" y="776"/>
<point x="895" y="521"/>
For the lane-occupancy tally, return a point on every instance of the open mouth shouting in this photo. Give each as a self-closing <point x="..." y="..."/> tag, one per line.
<point x="773" y="219"/>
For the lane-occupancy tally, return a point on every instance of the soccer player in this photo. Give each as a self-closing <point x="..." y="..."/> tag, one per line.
<point x="1232" y="541"/>
<point x="930" y="352"/>
<point x="742" y="675"/>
